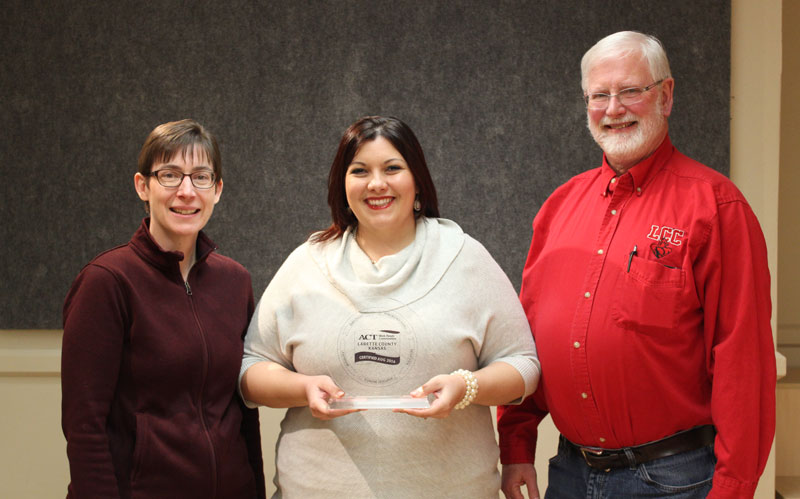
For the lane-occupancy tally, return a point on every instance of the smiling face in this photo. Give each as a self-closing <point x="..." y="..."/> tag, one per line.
<point x="628" y="134"/>
<point x="380" y="190"/>
<point x="177" y="214"/>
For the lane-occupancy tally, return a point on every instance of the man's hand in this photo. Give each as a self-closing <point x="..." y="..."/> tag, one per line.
<point x="517" y="475"/>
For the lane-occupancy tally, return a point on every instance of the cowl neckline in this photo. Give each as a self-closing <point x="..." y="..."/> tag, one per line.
<point x="395" y="280"/>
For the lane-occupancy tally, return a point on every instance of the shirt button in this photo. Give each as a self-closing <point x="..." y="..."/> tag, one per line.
<point x="613" y="180"/>
<point x="600" y="252"/>
<point x="638" y="189"/>
<point x="577" y="344"/>
<point x="613" y="212"/>
<point x="587" y="294"/>
<point x="602" y="439"/>
<point x="583" y="395"/>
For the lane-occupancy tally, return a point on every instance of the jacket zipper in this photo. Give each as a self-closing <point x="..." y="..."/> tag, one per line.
<point x="202" y="386"/>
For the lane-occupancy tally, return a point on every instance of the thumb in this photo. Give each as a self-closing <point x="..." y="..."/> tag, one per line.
<point x="419" y="392"/>
<point x="325" y="384"/>
<point x="432" y="385"/>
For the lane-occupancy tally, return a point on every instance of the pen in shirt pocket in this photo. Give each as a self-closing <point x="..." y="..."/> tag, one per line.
<point x="630" y="257"/>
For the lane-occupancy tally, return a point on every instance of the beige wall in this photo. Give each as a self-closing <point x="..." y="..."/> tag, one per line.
<point x="33" y="460"/>
<point x="755" y="112"/>
<point x="755" y="131"/>
<point x="789" y="200"/>
<point x="788" y="397"/>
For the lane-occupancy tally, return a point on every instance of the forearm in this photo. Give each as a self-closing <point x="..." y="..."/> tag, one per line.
<point x="498" y="383"/>
<point x="737" y="311"/>
<point x="517" y="427"/>
<point x="270" y="384"/>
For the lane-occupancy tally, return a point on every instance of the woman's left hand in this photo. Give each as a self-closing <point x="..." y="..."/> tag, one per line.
<point x="448" y="389"/>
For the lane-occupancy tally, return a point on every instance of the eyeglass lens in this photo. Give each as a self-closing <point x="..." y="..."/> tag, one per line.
<point x="626" y="97"/>
<point x="173" y="178"/>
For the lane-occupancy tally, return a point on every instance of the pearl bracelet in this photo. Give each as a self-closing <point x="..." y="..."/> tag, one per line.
<point x="472" y="387"/>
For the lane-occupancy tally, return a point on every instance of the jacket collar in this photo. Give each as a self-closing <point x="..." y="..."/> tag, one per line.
<point x="147" y="248"/>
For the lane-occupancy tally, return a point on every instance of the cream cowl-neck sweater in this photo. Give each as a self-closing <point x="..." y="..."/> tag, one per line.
<point x="440" y="304"/>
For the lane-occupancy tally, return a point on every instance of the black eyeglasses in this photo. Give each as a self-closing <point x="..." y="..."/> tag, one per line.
<point x="201" y="179"/>
<point x="627" y="97"/>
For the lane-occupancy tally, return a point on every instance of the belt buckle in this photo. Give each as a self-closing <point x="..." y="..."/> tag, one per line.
<point x="595" y="452"/>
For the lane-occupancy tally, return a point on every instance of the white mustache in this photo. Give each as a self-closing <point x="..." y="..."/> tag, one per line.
<point x="616" y="121"/>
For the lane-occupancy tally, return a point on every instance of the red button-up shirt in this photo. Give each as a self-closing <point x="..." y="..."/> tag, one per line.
<point x="648" y="295"/>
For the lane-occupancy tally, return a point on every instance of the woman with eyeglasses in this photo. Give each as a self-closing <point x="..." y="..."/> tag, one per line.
<point x="389" y="301"/>
<point x="152" y="344"/>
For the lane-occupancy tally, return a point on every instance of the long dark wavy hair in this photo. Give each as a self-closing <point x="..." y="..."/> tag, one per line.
<point x="364" y="130"/>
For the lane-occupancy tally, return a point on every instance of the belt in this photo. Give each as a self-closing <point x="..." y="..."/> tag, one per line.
<point x="606" y="459"/>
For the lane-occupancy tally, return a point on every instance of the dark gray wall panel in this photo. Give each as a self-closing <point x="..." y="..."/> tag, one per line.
<point x="491" y="88"/>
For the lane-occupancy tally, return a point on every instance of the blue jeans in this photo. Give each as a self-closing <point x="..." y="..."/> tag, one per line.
<point x="682" y="476"/>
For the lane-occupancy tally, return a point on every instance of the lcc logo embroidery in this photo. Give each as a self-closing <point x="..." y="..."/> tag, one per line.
<point x="664" y="238"/>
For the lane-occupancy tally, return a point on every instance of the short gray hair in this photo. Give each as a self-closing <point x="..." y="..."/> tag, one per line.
<point x="624" y="43"/>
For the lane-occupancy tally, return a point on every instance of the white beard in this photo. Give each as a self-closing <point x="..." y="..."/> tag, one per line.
<point x="630" y="147"/>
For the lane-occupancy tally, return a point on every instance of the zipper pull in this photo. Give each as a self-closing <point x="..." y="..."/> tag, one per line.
<point x="188" y="288"/>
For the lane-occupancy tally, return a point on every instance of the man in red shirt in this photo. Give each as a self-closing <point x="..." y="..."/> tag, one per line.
<point x="647" y="291"/>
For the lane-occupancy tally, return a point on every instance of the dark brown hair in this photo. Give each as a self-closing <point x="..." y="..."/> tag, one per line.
<point x="169" y="139"/>
<point x="406" y="143"/>
<point x="166" y="140"/>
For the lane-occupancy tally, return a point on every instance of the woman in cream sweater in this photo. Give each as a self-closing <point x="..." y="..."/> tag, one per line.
<point x="389" y="300"/>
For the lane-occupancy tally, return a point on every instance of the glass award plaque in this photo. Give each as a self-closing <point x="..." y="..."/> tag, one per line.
<point x="376" y="349"/>
<point x="380" y="402"/>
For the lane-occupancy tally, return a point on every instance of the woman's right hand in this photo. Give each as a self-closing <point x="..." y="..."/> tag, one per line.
<point x="270" y="384"/>
<point x="320" y="390"/>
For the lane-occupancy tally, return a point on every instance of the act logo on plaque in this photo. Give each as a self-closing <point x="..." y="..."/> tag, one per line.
<point x="382" y="347"/>
<point x="377" y="348"/>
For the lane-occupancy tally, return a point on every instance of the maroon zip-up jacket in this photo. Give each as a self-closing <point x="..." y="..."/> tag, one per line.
<point x="149" y="368"/>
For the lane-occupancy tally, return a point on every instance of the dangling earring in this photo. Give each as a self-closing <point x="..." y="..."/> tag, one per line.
<point x="417" y="205"/>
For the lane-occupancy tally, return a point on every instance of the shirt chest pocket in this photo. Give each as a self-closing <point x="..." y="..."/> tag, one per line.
<point x="647" y="297"/>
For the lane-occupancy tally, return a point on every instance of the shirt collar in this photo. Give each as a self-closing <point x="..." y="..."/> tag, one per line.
<point x="643" y="171"/>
